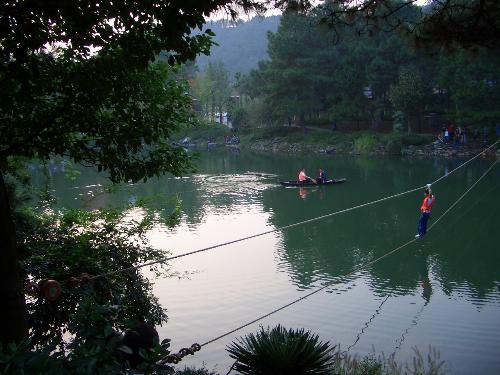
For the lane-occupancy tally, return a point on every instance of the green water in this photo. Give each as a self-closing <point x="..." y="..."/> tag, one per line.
<point x="442" y="290"/>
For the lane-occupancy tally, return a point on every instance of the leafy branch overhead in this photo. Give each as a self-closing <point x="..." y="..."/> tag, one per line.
<point x="78" y="80"/>
<point x="442" y="23"/>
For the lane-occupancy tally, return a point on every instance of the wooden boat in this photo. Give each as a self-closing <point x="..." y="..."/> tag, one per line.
<point x="302" y="184"/>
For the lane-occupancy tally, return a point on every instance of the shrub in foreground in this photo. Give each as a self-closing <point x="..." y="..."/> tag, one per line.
<point x="281" y="351"/>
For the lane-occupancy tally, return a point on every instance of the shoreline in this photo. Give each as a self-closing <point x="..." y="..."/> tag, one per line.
<point x="282" y="140"/>
<point x="433" y="150"/>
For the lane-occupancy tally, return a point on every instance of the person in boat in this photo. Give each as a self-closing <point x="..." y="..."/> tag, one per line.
<point x="303" y="178"/>
<point x="321" y="177"/>
<point x="426" y="208"/>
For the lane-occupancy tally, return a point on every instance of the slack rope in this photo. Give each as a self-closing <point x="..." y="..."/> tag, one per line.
<point x="366" y="325"/>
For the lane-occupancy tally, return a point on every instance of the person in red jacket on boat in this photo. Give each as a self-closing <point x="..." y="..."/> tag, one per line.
<point x="303" y="178"/>
<point x="426" y="208"/>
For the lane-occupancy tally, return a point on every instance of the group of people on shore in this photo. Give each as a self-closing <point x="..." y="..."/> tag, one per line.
<point x="454" y="134"/>
<point x="457" y="135"/>
<point x="303" y="178"/>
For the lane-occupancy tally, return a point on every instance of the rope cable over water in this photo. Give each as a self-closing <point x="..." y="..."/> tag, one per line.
<point x="400" y="340"/>
<point x="367" y="264"/>
<point x="465" y="163"/>
<point x="463" y="195"/>
<point x="290" y="225"/>
<point x="310" y="293"/>
<point x="366" y="325"/>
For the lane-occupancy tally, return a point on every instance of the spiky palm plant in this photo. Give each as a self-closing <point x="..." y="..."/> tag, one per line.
<point x="279" y="351"/>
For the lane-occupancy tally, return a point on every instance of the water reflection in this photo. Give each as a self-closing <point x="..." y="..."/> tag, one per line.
<point x="461" y="248"/>
<point x="453" y="271"/>
<point x="335" y="246"/>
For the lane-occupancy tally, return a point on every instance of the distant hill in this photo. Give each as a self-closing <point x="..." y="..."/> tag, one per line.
<point x="240" y="46"/>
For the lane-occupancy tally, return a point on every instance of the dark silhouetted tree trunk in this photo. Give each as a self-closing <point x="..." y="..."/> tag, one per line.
<point x="13" y="314"/>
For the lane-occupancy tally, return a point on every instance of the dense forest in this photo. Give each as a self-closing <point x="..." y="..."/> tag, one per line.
<point x="316" y="75"/>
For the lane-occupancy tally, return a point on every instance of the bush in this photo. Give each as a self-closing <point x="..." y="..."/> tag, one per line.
<point x="81" y="331"/>
<point x="365" y="144"/>
<point x="281" y="351"/>
<point x="258" y="114"/>
<point x="429" y="364"/>
<point x="319" y="121"/>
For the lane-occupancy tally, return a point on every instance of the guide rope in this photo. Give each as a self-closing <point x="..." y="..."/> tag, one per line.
<point x="232" y="367"/>
<point x="467" y="162"/>
<point x="463" y="195"/>
<point x="310" y="293"/>
<point x="414" y="322"/>
<point x="290" y="225"/>
<point x="366" y="325"/>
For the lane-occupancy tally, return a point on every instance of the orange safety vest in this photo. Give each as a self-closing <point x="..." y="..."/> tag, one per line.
<point x="427" y="204"/>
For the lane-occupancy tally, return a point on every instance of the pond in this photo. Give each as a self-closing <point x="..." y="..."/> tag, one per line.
<point x="442" y="290"/>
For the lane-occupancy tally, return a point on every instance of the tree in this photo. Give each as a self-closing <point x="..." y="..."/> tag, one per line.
<point x="387" y="55"/>
<point x="220" y="88"/>
<point x="309" y="76"/>
<point x="350" y="79"/>
<point x="212" y="88"/>
<point x="76" y="81"/>
<point x="469" y="86"/>
<point x="441" y="23"/>
<point x="296" y="77"/>
<point x="409" y="94"/>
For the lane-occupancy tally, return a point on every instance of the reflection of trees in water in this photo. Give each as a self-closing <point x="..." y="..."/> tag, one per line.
<point x="464" y="257"/>
<point x="346" y="241"/>
<point x="335" y="246"/>
<point x="461" y="253"/>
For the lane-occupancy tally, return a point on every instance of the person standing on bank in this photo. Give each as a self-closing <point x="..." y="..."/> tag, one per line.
<point x="426" y="208"/>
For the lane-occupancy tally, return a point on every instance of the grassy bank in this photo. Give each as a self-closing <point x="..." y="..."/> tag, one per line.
<point x="357" y="142"/>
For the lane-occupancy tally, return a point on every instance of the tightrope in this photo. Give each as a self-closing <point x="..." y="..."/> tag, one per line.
<point x="367" y="264"/>
<point x="290" y="225"/>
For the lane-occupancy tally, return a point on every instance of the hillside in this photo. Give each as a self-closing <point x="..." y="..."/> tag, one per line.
<point x="240" y="46"/>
